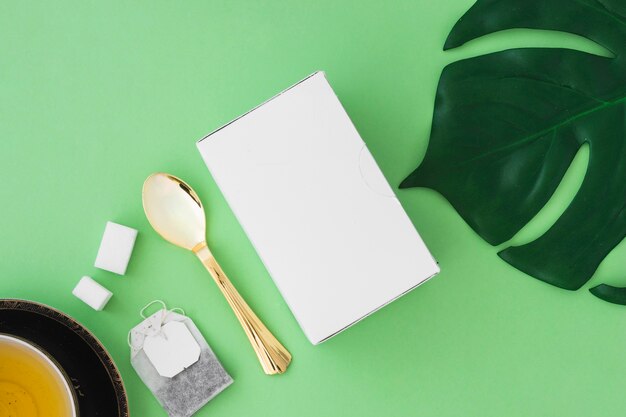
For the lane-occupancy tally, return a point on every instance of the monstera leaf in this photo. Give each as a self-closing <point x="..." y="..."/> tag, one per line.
<point x="507" y="125"/>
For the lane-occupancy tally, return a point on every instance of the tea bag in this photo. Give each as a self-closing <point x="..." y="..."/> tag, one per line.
<point x="172" y="358"/>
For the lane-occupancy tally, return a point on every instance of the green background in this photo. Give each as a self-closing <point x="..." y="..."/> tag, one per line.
<point x="94" y="96"/>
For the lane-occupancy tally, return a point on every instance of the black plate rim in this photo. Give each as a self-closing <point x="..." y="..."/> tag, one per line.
<point x="89" y="338"/>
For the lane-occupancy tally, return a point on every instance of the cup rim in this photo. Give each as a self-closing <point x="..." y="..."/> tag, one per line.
<point x="41" y="352"/>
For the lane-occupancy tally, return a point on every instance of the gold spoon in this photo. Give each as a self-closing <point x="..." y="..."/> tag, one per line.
<point x="175" y="212"/>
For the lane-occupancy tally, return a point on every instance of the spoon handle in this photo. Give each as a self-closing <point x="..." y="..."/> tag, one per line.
<point x="273" y="356"/>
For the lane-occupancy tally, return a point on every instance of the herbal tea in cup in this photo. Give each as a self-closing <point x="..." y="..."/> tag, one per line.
<point x="31" y="383"/>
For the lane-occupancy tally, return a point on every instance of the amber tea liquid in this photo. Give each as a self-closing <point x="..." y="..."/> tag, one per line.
<point x="31" y="385"/>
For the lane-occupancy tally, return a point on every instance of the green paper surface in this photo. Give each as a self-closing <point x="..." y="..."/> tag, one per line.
<point x="97" y="95"/>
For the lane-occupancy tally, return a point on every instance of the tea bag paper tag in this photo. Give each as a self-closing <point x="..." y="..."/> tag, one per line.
<point x="172" y="349"/>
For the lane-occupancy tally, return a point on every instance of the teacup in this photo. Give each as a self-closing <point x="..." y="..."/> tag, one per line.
<point x="31" y="382"/>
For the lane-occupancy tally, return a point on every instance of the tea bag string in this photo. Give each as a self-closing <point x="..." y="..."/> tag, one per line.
<point x="164" y="309"/>
<point x="164" y="313"/>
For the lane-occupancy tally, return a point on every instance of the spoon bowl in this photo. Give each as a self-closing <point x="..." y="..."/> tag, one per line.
<point x="174" y="210"/>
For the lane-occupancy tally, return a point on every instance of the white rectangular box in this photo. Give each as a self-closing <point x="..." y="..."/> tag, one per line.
<point x="317" y="208"/>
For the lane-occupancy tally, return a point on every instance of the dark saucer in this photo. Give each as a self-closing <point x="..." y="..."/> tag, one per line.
<point x="96" y="380"/>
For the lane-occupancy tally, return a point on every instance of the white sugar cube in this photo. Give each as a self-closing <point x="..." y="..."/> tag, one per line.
<point x="115" y="248"/>
<point x="92" y="293"/>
